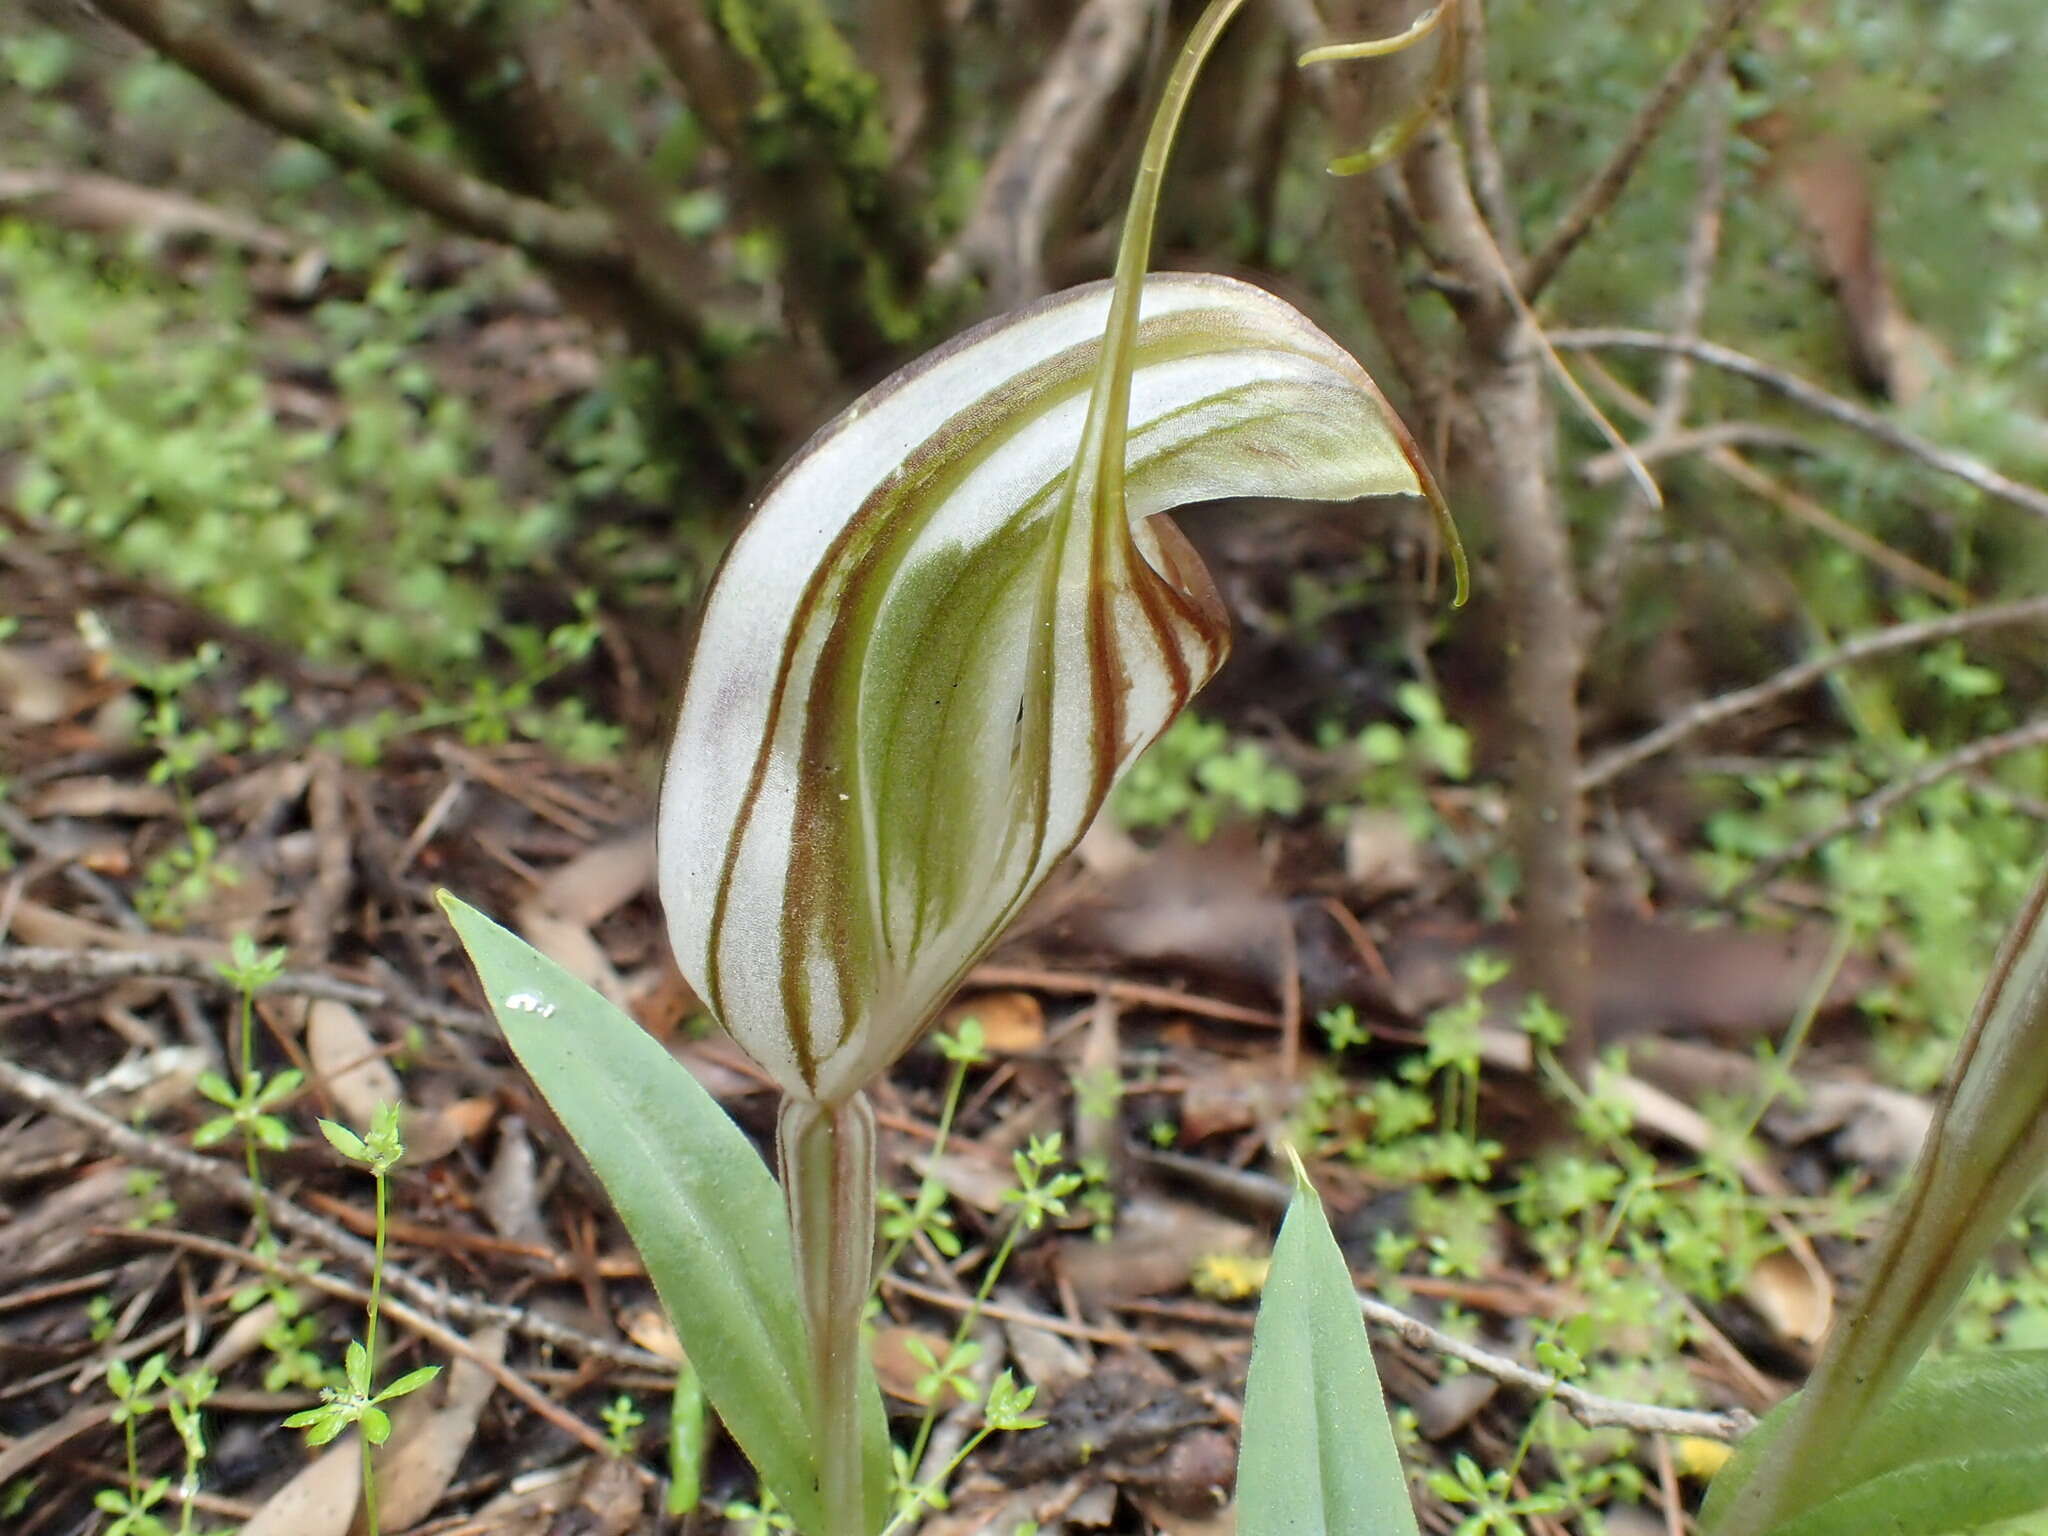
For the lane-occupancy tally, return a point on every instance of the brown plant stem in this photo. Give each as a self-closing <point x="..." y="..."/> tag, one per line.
<point x="1688" y="722"/>
<point x="1045" y="153"/>
<point x="1794" y="504"/>
<point x="1513" y="444"/>
<point x="40" y="1092"/>
<point x="828" y="1176"/>
<point x="1871" y="810"/>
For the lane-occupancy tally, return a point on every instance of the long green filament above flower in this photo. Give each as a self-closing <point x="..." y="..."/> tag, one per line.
<point x="1103" y="439"/>
<point x="1398" y="134"/>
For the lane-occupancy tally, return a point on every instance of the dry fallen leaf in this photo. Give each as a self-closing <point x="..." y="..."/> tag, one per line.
<point x="320" y="1499"/>
<point x="1382" y="855"/>
<point x="903" y="1359"/>
<point x="1154" y="1249"/>
<point x="650" y="1328"/>
<point x="1787" y="1296"/>
<point x="350" y="1063"/>
<point x="97" y="795"/>
<point x="434" y="1131"/>
<point x="510" y="1196"/>
<point x="600" y="880"/>
<point x="573" y="947"/>
<point x="1012" y="1023"/>
<point x="599" y="1497"/>
<point x="31" y="690"/>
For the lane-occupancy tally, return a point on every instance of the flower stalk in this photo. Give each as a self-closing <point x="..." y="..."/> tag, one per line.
<point x="828" y="1176"/>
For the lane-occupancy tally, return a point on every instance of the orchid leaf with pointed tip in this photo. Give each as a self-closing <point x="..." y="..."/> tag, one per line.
<point x="1318" y="1453"/>
<point x="1962" y="1444"/>
<point x="703" y="1209"/>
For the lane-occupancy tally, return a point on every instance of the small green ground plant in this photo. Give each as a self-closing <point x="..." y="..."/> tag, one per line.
<point x="359" y="1403"/>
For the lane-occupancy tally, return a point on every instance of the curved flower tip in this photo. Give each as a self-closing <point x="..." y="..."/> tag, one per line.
<point x="941" y="638"/>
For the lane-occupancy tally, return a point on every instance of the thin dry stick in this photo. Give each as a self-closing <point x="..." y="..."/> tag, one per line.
<point x="1636" y="519"/>
<point x="442" y="1338"/>
<point x="1866" y="814"/>
<point x="1475" y="132"/>
<point x="797" y="197"/>
<point x="56" y="1098"/>
<point x="1811" y="397"/>
<point x="1600" y="193"/>
<point x="1605" y="468"/>
<point x="108" y="965"/>
<point x="1589" y="1408"/>
<point x="46" y="1094"/>
<point x="1366" y="222"/>
<point x="1795" y="505"/>
<point x="1883" y="642"/>
<point x="1702" y="247"/>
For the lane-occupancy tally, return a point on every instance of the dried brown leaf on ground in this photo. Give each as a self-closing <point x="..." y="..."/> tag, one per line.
<point x="1012" y="1022"/>
<point x="1153" y="1250"/>
<point x="319" y="1500"/>
<point x="1651" y="976"/>
<point x="349" y="1062"/>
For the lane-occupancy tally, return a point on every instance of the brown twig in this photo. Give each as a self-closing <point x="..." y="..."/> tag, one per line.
<point x="1589" y="1408"/>
<point x="1811" y="397"/>
<point x="1882" y="642"/>
<point x="442" y="1338"/>
<point x="55" y="1098"/>
<point x="1366" y="222"/>
<point x="1475" y="131"/>
<point x="1796" y="505"/>
<point x="1702" y="247"/>
<point x="1599" y="194"/>
<point x="1637" y="520"/>
<point x="797" y="196"/>
<point x="1869" y="812"/>
<point x="108" y="965"/>
<point x="1137" y="994"/>
<point x="1605" y="468"/>
<point x="357" y="139"/>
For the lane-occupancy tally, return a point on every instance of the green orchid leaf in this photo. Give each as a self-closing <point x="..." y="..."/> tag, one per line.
<point x="1984" y="1153"/>
<point x="1962" y="1444"/>
<point x="703" y="1209"/>
<point x="1318" y="1453"/>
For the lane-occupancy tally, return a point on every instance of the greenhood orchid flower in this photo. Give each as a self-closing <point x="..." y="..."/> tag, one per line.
<point x="953" y="621"/>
